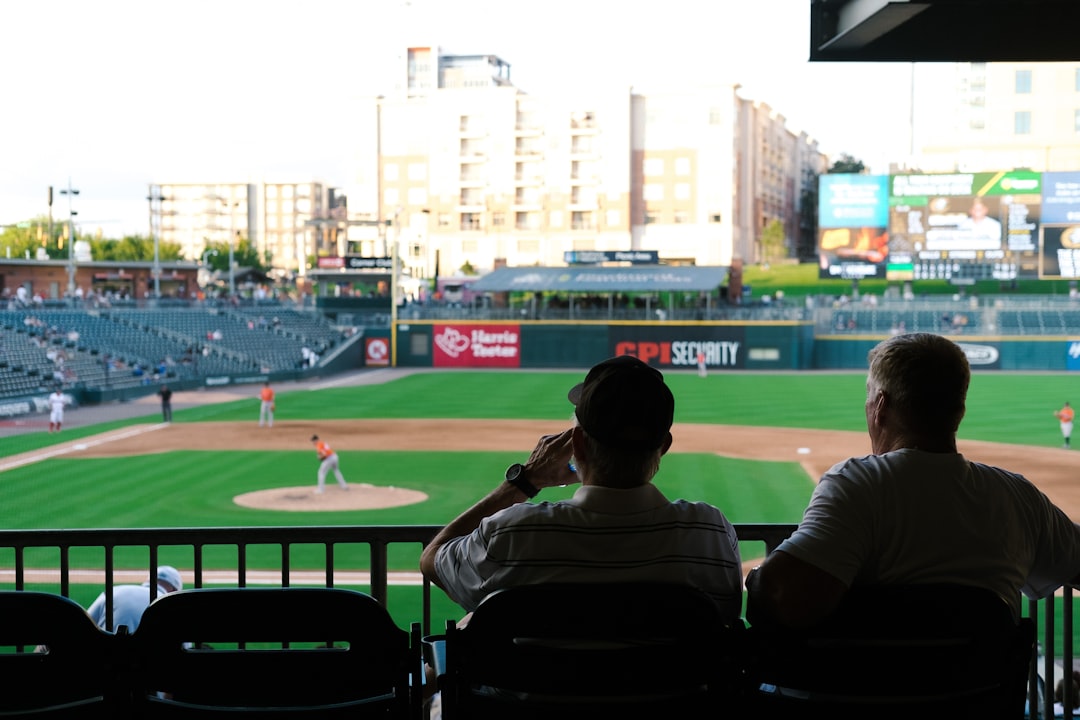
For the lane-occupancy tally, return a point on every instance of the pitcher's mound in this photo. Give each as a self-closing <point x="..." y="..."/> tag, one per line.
<point x="359" y="496"/>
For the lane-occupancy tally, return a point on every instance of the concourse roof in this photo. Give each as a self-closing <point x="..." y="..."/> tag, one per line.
<point x="596" y="279"/>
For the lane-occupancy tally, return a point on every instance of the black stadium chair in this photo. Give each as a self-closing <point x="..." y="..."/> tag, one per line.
<point x="267" y="652"/>
<point x="568" y="651"/>
<point x="54" y="660"/>
<point x="920" y="651"/>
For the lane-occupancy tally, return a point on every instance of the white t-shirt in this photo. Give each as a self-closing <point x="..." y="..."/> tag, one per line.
<point x="129" y="601"/>
<point x="913" y="517"/>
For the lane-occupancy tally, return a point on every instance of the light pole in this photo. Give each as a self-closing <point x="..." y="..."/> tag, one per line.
<point x="394" y="287"/>
<point x="152" y="198"/>
<point x="205" y="255"/>
<point x="229" y="207"/>
<point x="70" y="192"/>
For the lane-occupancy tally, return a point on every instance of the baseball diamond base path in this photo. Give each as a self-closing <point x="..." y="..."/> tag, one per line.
<point x="1052" y="469"/>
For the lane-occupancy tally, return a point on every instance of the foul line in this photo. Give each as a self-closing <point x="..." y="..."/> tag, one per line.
<point x="77" y="446"/>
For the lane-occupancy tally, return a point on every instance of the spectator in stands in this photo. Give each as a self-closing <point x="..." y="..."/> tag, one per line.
<point x="618" y="527"/>
<point x="129" y="601"/>
<point x="887" y="518"/>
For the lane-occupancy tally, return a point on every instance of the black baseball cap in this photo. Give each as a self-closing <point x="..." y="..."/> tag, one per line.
<point x="624" y="403"/>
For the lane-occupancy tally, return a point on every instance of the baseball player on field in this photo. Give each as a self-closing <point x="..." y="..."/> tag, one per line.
<point x="266" y="408"/>
<point x="1065" y="417"/>
<point x="56" y="410"/>
<point x="328" y="460"/>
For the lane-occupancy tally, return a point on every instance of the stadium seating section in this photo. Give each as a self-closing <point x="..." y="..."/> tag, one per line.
<point x="41" y="349"/>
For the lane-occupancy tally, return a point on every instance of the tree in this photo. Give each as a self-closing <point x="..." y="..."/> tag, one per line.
<point x="134" y="248"/>
<point x="806" y="243"/>
<point x="847" y="164"/>
<point x="24" y="239"/>
<point x="772" y="242"/>
<point x="468" y="269"/>
<point x="244" y="253"/>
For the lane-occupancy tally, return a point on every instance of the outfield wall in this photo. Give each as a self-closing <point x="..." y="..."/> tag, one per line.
<point x="493" y="344"/>
<point x="781" y="346"/>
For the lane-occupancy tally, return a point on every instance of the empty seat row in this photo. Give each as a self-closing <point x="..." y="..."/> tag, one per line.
<point x="566" y="651"/>
<point x="299" y="652"/>
<point x="658" y="651"/>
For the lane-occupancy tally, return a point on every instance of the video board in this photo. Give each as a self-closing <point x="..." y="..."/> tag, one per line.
<point x="959" y="227"/>
<point x="1060" y="256"/>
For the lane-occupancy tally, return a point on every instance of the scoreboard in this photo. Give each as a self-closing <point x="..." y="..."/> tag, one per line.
<point x="959" y="227"/>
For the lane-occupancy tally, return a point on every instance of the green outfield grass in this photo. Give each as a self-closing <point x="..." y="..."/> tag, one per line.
<point x="196" y="488"/>
<point x="1002" y="407"/>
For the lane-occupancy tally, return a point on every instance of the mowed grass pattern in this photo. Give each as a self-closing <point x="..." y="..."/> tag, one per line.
<point x="195" y="489"/>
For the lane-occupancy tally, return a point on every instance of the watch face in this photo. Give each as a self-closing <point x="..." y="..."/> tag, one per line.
<point x="514" y="471"/>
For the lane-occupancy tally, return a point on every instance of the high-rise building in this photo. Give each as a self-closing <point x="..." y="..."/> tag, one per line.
<point x="999" y="116"/>
<point x="469" y="170"/>
<point x="273" y="216"/>
<point x="193" y="215"/>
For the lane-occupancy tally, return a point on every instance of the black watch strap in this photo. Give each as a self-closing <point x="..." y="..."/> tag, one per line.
<point x="515" y="475"/>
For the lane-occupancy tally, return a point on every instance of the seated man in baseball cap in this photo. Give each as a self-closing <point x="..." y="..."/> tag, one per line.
<point x="621" y="429"/>
<point x="129" y="601"/>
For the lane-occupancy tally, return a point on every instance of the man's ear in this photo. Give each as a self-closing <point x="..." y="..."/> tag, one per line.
<point x="667" y="444"/>
<point x="881" y="407"/>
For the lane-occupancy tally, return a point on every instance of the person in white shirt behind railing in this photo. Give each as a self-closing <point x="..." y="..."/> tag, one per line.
<point x="129" y="601"/>
<point x="915" y="511"/>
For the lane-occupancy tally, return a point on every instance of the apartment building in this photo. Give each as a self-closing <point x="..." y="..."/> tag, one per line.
<point x="470" y="170"/>
<point x="999" y="116"/>
<point x="275" y="216"/>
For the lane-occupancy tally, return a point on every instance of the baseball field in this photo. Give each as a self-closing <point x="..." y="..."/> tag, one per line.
<point x="419" y="447"/>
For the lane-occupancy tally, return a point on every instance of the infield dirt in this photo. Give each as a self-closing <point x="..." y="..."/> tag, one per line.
<point x="1052" y="469"/>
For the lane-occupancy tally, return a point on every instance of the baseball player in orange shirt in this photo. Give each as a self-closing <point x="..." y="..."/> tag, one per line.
<point x="1065" y="416"/>
<point x="328" y="460"/>
<point x="266" y="408"/>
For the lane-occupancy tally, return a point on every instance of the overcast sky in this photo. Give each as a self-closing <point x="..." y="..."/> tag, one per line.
<point x="116" y="94"/>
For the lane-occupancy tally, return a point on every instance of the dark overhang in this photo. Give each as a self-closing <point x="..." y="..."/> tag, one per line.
<point x="944" y="30"/>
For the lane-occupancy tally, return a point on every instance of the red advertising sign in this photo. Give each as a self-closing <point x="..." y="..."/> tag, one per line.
<point x="331" y="262"/>
<point x="468" y="345"/>
<point x="376" y="351"/>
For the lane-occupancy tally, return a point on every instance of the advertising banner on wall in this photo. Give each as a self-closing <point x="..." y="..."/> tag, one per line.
<point x="676" y="348"/>
<point x="983" y="356"/>
<point x="476" y="345"/>
<point x="1072" y="355"/>
<point x="376" y="351"/>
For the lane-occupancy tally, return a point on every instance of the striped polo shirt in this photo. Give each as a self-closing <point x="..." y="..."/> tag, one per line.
<point x="601" y="534"/>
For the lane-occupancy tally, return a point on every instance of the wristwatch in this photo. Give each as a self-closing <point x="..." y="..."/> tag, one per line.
<point x="515" y="475"/>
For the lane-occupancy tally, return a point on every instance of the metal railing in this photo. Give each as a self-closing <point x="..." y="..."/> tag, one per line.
<point x="249" y="563"/>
